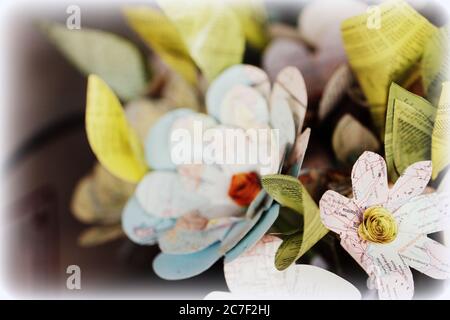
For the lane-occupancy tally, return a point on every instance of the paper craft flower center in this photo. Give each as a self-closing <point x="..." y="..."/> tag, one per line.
<point x="244" y="187"/>
<point x="378" y="226"/>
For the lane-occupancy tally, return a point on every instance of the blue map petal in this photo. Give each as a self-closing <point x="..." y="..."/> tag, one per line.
<point x="183" y="266"/>
<point x="256" y="233"/>
<point x="157" y="146"/>
<point x="140" y="226"/>
<point x="240" y="74"/>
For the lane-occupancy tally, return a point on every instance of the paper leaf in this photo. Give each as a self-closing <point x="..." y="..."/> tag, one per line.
<point x="95" y="236"/>
<point x="161" y="35"/>
<point x="440" y="143"/>
<point x="351" y="139"/>
<point x="409" y="125"/>
<point x="252" y="17"/>
<point x="289" y="192"/>
<point x="113" y="58"/>
<point x="112" y="140"/>
<point x="383" y="50"/>
<point x="100" y="197"/>
<point x="435" y="65"/>
<point x="211" y="32"/>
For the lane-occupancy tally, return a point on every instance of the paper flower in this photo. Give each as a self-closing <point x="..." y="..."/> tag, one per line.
<point x="199" y="211"/>
<point x="253" y="276"/>
<point x="385" y="230"/>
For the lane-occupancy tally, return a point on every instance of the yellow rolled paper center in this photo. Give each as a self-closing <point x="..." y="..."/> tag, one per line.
<point x="378" y="226"/>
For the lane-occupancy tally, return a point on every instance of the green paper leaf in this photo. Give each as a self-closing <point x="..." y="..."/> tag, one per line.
<point x="113" y="58"/>
<point x="409" y="126"/>
<point x="435" y="65"/>
<point x="289" y="192"/>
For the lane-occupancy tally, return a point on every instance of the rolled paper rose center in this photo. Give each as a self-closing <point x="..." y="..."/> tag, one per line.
<point x="378" y="226"/>
<point x="244" y="187"/>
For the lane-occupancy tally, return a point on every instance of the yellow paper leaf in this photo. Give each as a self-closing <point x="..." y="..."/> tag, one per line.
<point x="95" y="236"/>
<point x="289" y="192"/>
<point x="382" y="46"/>
<point x="435" y="66"/>
<point x="112" y="139"/>
<point x="409" y="125"/>
<point x="252" y="17"/>
<point x="210" y="30"/>
<point x="351" y="139"/>
<point x="440" y="144"/>
<point x="161" y="35"/>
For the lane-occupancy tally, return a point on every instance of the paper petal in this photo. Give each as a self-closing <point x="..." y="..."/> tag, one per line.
<point x="244" y="107"/>
<point x="335" y="90"/>
<point x="338" y="213"/>
<point x="411" y="183"/>
<point x="238" y="231"/>
<point x="290" y="86"/>
<point x="140" y="226"/>
<point x="369" y="180"/>
<point x="177" y="267"/>
<point x="429" y="257"/>
<point x="236" y="75"/>
<point x="282" y="119"/>
<point x="253" y="274"/>
<point x="297" y="154"/>
<point x="183" y="241"/>
<point x="165" y="194"/>
<point x="157" y="144"/>
<point x="425" y="214"/>
<point x="393" y="277"/>
<point x="111" y="138"/>
<point x="220" y="295"/>
<point x="256" y="233"/>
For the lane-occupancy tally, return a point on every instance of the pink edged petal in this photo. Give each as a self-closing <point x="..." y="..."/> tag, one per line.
<point x="254" y="272"/>
<point x="392" y="275"/>
<point x="429" y="257"/>
<point x="357" y="248"/>
<point x="411" y="184"/>
<point x="253" y="275"/>
<point x="369" y="180"/>
<point x="338" y="213"/>
<point x="425" y="214"/>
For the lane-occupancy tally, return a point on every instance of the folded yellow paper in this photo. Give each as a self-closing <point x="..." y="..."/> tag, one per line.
<point x="383" y="52"/>
<point x="111" y="138"/>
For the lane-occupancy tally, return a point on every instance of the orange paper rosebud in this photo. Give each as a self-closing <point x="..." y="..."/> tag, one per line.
<point x="244" y="187"/>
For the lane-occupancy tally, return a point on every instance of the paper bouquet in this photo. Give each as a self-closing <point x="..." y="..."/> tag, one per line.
<point x="362" y="80"/>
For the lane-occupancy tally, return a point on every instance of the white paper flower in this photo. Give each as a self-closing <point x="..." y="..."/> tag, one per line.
<point x="385" y="230"/>
<point x="253" y="276"/>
